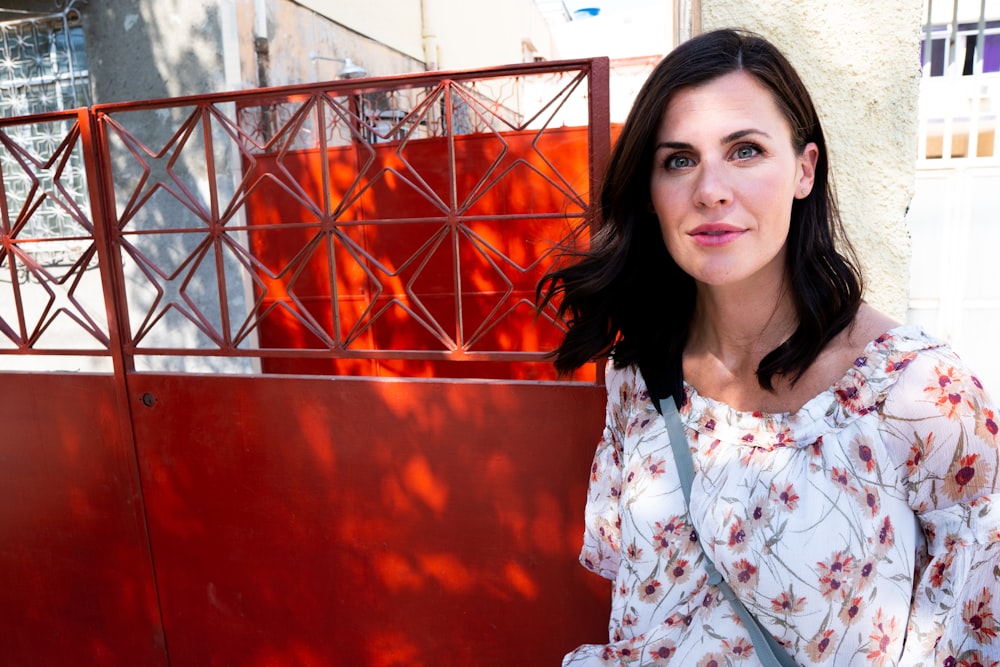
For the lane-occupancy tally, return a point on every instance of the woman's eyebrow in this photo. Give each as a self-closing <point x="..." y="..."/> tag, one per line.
<point x="739" y="134"/>
<point x="729" y="138"/>
<point x="676" y="145"/>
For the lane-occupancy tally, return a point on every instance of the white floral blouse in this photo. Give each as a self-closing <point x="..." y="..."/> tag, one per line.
<point x="861" y="530"/>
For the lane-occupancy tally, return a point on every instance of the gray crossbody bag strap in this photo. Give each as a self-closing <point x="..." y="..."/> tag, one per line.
<point x="769" y="651"/>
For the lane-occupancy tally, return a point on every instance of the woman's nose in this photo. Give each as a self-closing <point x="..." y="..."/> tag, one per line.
<point x="712" y="186"/>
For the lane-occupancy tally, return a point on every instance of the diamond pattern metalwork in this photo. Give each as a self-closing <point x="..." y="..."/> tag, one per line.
<point x="53" y="291"/>
<point x="392" y="220"/>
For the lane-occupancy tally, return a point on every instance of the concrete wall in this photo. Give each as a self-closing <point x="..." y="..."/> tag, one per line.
<point x="484" y="33"/>
<point x="301" y="43"/>
<point x="164" y="48"/>
<point x="144" y="49"/>
<point x="861" y="62"/>
<point x="447" y="34"/>
<point x="393" y="22"/>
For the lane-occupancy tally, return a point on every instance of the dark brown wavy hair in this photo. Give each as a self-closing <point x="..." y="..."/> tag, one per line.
<point x="626" y="296"/>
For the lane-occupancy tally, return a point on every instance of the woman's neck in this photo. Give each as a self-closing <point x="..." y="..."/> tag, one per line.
<point x="732" y="332"/>
<point x="739" y="327"/>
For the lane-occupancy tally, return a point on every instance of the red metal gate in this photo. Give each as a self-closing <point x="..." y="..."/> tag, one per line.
<point x="182" y="498"/>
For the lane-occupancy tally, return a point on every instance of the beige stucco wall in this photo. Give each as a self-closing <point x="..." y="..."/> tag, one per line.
<point x="861" y="62"/>
<point x="395" y="23"/>
<point x="485" y="33"/>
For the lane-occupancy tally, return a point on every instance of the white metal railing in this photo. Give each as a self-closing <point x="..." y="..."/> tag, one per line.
<point x="960" y="88"/>
<point x="954" y="282"/>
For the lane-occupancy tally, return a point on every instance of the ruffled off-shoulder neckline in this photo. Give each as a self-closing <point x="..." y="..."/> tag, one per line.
<point x="858" y="392"/>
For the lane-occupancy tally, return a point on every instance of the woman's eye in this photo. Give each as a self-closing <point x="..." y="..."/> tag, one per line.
<point x="678" y="162"/>
<point x="746" y="152"/>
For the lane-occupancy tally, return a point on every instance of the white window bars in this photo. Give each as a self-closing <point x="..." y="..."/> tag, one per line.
<point x="43" y="69"/>
<point x="960" y="89"/>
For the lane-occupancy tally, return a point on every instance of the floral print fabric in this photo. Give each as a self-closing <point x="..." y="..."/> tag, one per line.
<point x="861" y="530"/>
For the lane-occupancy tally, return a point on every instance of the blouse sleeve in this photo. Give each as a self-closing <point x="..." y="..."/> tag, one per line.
<point x="602" y="533"/>
<point x="948" y="450"/>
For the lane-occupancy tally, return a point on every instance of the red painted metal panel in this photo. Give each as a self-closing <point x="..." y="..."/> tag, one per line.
<point x="76" y="580"/>
<point x="307" y="521"/>
<point x="469" y="268"/>
<point x="295" y="520"/>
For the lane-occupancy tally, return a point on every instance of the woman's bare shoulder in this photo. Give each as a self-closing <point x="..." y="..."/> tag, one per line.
<point x="868" y="325"/>
<point x="839" y="355"/>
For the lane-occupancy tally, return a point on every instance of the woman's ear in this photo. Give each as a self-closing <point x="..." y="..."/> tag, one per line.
<point x="807" y="170"/>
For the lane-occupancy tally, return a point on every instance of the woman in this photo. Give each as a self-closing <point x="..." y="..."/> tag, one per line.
<point x="846" y="467"/>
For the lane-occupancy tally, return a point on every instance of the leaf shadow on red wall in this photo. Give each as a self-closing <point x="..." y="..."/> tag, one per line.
<point x="314" y="521"/>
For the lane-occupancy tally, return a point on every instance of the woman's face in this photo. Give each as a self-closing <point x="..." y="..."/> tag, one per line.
<point x="724" y="176"/>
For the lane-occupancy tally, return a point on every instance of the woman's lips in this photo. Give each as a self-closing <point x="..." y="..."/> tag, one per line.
<point x="716" y="235"/>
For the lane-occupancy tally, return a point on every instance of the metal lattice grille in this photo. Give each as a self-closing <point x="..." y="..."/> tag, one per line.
<point x="393" y="226"/>
<point x="43" y="69"/>
<point x="403" y="224"/>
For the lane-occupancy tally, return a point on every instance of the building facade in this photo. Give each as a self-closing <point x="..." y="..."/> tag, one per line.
<point x="954" y="287"/>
